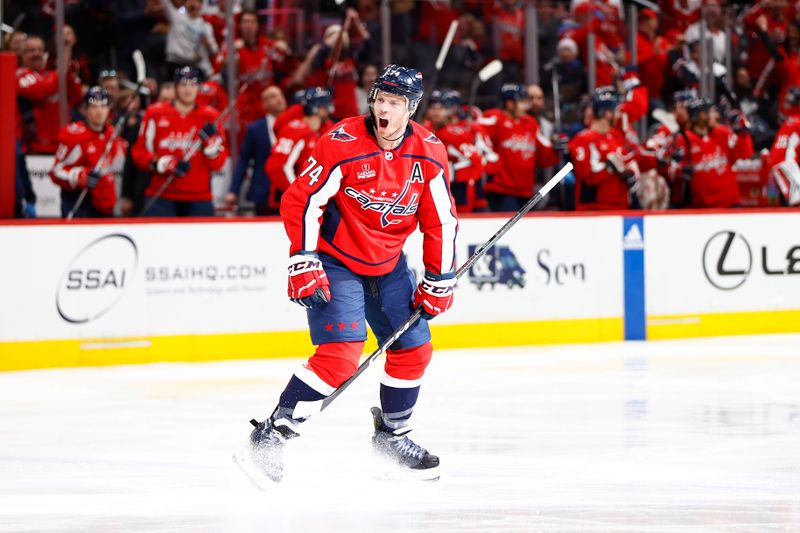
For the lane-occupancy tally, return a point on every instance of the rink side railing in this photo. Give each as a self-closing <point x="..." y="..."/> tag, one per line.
<point x="143" y="291"/>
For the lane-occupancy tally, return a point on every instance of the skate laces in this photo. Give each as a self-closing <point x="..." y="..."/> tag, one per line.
<point x="407" y="447"/>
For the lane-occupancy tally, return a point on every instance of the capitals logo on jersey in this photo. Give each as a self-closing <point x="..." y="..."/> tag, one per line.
<point x="340" y="135"/>
<point x="389" y="204"/>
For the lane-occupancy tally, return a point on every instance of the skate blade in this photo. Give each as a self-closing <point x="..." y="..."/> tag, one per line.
<point x="393" y="473"/>
<point x="254" y="474"/>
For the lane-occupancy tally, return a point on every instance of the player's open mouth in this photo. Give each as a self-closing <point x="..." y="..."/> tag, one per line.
<point x="383" y="123"/>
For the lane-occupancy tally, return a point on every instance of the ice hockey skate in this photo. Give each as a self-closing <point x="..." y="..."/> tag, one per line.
<point x="400" y="456"/>
<point x="262" y="459"/>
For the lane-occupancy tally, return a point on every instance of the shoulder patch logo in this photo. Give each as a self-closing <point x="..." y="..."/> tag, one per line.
<point x="75" y="127"/>
<point x="433" y="139"/>
<point x="340" y="135"/>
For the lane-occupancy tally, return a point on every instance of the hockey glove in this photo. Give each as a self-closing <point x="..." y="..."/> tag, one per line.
<point x="208" y="131"/>
<point x="92" y="179"/>
<point x="738" y="121"/>
<point x="168" y="164"/>
<point x="434" y="295"/>
<point x="559" y="142"/>
<point x="308" y="283"/>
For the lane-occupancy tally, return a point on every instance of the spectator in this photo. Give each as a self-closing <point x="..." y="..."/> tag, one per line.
<point x="37" y="97"/>
<point x="651" y="50"/>
<point x="109" y="80"/>
<point x="369" y="73"/>
<point x="190" y="41"/>
<point x="332" y="63"/>
<point x="76" y="58"/>
<point x="253" y="56"/>
<point x="257" y="146"/>
<point x="15" y="42"/>
<point x="536" y="110"/>
<point x="715" y="30"/>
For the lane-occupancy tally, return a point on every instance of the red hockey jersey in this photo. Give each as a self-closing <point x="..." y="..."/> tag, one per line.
<point x="521" y="148"/>
<point x="596" y="186"/>
<point x="712" y="182"/>
<point x="293" y="145"/>
<point x="165" y="131"/>
<point x="359" y="203"/>
<point x="78" y="152"/>
<point x="40" y="89"/>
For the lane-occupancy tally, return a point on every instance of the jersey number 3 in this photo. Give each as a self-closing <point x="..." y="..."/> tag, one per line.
<point x="314" y="170"/>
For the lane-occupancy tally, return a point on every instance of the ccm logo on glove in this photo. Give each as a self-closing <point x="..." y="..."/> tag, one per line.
<point x="434" y="295"/>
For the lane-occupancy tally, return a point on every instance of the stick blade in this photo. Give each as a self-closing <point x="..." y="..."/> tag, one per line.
<point x="491" y="70"/>
<point x="138" y="62"/>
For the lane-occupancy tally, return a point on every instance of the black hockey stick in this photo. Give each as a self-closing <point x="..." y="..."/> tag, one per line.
<point x="138" y="61"/>
<point x="566" y="169"/>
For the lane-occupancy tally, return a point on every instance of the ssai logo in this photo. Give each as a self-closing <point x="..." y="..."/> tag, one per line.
<point x="96" y="279"/>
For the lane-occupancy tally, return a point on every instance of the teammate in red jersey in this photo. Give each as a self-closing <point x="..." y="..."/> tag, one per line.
<point x="295" y="141"/>
<point x="167" y="133"/>
<point x="783" y="156"/>
<point x="368" y="184"/>
<point x="520" y="147"/>
<point x="710" y="151"/>
<point x="461" y="140"/>
<point x="81" y="144"/>
<point x="604" y="169"/>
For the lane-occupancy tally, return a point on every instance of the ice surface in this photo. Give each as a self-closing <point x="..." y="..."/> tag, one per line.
<point x="693" y="435"/>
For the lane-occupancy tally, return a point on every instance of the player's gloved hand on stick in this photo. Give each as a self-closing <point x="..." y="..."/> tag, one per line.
<point x="92" y="179"/>
<point x="560" y="141"/>
<point x="434" y="295"/>
<point x="308" y="283"/>
<point x="738" y="121"/>
<point x="169" y="164"/>
<point x="212" y="141"/>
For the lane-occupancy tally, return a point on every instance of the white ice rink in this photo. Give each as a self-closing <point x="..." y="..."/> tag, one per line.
<point x="696" y="435"/>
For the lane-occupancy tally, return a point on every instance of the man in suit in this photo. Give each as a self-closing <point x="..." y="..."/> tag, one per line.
<point x="256" y="147"/>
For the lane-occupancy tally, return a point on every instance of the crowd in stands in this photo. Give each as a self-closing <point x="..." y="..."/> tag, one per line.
<point x="647" y="135"/>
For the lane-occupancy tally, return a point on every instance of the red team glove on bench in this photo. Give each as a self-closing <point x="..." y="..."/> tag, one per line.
<point x="434" y="295"/>
<point x="308" y="283"/>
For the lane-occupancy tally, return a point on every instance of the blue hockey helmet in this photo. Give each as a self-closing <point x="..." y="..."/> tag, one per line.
<point x="446" y="97"/>
<point x="189" y="74"/>
<point x="604" y="99"/>
<point x="792" y="97"/>
<point x="695" y="106"/>
<point x="512" y="91"/>
<point x="399" y="81"/>
<point x="96" y="95"/>
<point x="298" y="97"/>
<point x="316" y="98"/>
<point x="681" y="97"/>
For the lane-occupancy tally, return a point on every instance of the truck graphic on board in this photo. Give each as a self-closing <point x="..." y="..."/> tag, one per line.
<point x="498" y="266"/>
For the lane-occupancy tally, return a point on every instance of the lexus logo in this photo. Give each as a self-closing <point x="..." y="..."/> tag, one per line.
<point x="727" y="260"/>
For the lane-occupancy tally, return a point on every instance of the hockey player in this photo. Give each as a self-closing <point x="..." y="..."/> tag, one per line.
<point x="167" y="133"/>
<point x="81" y="144"/>
<point x="705" y="170"/>
<point x="520" y="147"/>
<point x="368" y="184"/>
<point x="461" y="141"/>
<point x="783" y="156"/>
<point x="604" y="169"/>
<point x="295" y="142"/>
